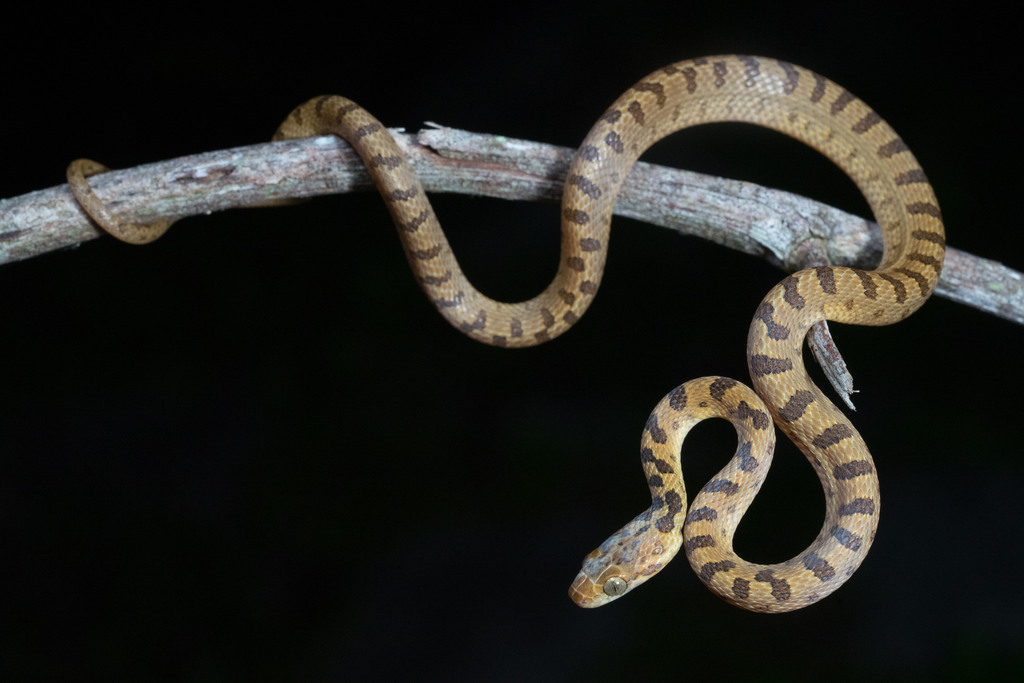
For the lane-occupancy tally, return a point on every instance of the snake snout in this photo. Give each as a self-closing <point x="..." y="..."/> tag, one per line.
<point x="583" y="591"/>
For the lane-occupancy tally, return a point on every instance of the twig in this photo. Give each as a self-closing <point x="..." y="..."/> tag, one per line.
<point x="788" y="230"/>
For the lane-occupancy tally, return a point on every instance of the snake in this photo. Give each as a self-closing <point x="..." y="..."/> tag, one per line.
<point x="766" y="92"/>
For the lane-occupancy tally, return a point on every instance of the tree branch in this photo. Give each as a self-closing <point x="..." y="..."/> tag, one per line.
<point x="790" y="231"/>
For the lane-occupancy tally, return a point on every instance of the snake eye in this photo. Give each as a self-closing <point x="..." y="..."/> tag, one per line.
<point x="615" y="586"/>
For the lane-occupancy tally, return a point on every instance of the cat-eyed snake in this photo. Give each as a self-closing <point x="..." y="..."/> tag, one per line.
<point x="756" y="90"/>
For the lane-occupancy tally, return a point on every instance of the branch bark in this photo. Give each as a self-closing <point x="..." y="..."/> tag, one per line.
<point x="790" y="231"/>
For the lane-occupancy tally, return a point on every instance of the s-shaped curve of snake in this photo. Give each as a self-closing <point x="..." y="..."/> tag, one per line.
<point x="765" y="92"/>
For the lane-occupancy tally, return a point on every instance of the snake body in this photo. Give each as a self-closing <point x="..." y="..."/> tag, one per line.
<point x="756" y="90"/>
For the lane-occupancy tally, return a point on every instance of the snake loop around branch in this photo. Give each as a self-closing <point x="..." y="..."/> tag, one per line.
<point x="764" y="92"/>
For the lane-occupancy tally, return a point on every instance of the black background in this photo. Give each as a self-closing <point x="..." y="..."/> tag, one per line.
<point x="253" y="450"/>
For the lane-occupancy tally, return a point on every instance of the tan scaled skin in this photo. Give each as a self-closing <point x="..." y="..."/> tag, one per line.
<point x="756" y="90"/>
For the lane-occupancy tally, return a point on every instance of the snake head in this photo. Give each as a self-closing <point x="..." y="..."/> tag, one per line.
<point x="630" y="556"/>
<point x="589" y="590"/>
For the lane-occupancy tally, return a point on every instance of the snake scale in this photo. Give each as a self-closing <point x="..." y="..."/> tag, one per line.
<point x="765" y="92"/>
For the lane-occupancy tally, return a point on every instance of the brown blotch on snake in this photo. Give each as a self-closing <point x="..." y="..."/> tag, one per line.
<point x="865" y="124"/>
<point x="765" y="313"/>
<point x="755" y="90"/>
<point x="794" y="408"/>
<point x="860" y="506"/>
<point x="850" y="470"/>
